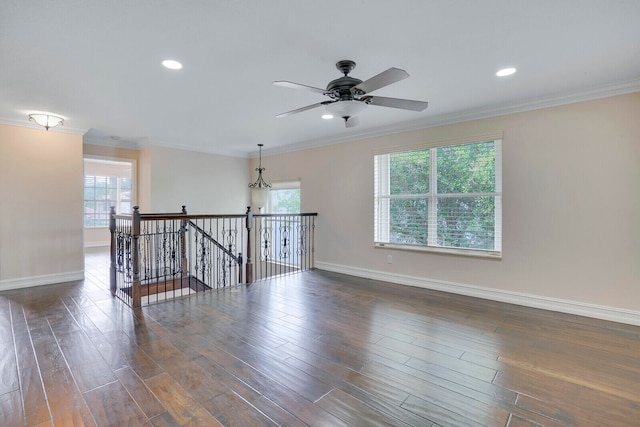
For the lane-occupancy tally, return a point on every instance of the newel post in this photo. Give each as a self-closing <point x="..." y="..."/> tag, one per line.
<point x="249" y="265"/>
<point x="113" y="251"/>
<point x="183" y="243"/>
<point x="136" y="294"/>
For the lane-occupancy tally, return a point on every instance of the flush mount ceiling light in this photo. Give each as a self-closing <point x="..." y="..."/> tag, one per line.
<point x="327" y="116"/>
<point x="172" y="64"/>
<point x="506" y="72"/>
<point x="46" y="120"/>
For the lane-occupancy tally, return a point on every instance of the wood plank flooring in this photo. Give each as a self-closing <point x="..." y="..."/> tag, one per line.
<point x="314" y="348"/>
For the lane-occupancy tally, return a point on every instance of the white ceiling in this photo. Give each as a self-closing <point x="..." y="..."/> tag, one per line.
<point x="97" y="64"/>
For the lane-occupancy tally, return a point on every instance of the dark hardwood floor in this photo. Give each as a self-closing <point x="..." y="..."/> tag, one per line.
<point x="314" y="348"/>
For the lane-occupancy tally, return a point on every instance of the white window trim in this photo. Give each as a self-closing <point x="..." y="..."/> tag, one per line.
<point x="478" y="253"/>
<point x="289" y="184"/>
<point x="383" y="175"/>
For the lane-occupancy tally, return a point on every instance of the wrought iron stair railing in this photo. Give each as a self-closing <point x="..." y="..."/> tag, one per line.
<point x="156" y="257"/>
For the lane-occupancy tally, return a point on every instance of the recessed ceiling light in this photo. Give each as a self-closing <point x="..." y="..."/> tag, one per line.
<point x="327" y="116"/>
<point x="506" y="72"/>
<point x="172" y="64"/>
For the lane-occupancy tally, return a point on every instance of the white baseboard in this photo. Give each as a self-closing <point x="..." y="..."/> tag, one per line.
<point x="48" y="279"/>
<point x="97" y="244"/>
<point x="528" y="300"/>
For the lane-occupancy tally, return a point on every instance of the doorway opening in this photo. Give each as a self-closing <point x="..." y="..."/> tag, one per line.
<point x="107" y="183"/>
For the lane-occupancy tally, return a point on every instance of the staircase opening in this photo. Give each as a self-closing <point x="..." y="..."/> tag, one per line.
<point x="160" y="256"/>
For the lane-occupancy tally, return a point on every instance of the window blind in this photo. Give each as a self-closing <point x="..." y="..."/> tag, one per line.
<point x="440" y="197"/>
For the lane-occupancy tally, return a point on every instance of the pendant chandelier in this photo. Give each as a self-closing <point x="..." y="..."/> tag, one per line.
<point x="260" y="188"/>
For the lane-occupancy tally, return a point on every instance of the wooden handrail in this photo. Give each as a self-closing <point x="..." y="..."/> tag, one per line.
<point x="285" y="214"/>
<point x="214" y="241"/>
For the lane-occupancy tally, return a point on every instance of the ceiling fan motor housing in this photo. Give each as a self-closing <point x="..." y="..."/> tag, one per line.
<point x="340" y="88"/>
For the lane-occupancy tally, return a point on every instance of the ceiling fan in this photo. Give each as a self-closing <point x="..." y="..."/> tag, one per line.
<point x="350" y="95"/>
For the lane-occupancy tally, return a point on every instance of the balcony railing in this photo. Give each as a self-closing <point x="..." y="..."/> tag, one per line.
<point x="155" y="257"/>
<point x="284" y="244"/>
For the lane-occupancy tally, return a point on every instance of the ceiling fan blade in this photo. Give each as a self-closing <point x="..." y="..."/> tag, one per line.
<point x="300" y="110"/>
<point x="383" y="79"/>
<point x="404" y="104"/>
<point x="292" y="85"/>
<point x="351" y="121"/>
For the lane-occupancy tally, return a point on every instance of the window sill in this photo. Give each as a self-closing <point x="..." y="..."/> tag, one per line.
<point x="476" y="253"/>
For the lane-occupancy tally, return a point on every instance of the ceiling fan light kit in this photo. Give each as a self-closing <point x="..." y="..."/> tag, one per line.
<point x="349" y="95"/>
<point x="345" y="108"/>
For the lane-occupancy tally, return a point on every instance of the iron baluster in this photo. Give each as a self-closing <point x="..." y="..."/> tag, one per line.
<point x="265" y="238"/>
<point x="302" y="242"/>
<point x="285" y="230"/>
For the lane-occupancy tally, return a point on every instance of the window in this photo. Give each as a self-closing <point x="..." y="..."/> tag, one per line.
<point x="282" y="232"/>
<point x="445" y="198"/>
<point x="106" y="184"/>
<point x="284" y="197"/>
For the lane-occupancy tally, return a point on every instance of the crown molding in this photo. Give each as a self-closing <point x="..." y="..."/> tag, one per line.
<point x="606" y="91"/>
<point x="621" y="88"/>
<point x="126" y="144"/>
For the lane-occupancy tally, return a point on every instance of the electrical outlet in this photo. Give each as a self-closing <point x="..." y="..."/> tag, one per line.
<point x="389" y="259"/>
